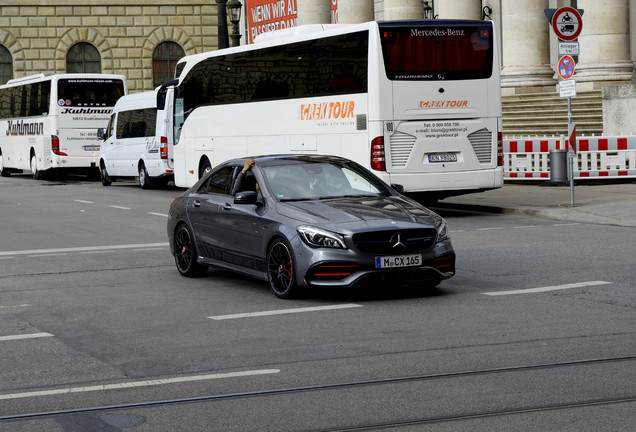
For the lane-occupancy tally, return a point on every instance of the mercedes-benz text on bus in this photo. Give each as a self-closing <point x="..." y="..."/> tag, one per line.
<point x="49" y="122"/>
<point x="418" y="102"/>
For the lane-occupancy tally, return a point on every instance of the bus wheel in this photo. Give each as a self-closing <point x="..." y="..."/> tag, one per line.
<point x="205" y="167"/>
<point x="103" y="176"/>
<point x="3" y="171"/>
<point x="144" y="178"/>
<point x="34" y="168"/>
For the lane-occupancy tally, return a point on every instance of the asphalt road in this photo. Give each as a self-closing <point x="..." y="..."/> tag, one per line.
<point x="98" y="331"/>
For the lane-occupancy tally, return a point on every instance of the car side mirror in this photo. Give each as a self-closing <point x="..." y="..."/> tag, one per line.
<point x="246" y="197"/>
<point x="398" y="188"/>
<point x="100" y="134"/>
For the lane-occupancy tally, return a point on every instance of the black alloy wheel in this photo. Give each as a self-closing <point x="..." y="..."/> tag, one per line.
<point x="280" y="270"/>
<point x="185" y="253"/>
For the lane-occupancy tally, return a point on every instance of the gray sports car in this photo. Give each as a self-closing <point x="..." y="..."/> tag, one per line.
<point x="307" y="221"/>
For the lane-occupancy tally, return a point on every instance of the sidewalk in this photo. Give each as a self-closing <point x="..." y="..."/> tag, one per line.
<point x="607" y="204"/>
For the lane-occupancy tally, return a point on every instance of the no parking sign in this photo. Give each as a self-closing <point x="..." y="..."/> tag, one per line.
<point x="566" y="67"/>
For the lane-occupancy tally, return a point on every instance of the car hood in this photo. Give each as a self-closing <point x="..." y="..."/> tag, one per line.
<point x="372" y="210"/>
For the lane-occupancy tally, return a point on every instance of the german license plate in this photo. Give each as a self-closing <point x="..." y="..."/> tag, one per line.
<point x="398" y="261"/>
<point x="91" y="148"/>
<point x="442" y="157"/>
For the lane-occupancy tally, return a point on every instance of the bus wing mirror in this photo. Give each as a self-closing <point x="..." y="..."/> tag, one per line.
<point x="161" y="93"/>
<point x="100" y="134"/>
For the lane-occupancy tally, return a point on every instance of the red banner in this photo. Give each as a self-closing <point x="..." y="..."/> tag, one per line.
<point x="269" y="15"/>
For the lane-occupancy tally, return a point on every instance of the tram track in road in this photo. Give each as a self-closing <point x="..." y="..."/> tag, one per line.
<point x="530" y="408"/>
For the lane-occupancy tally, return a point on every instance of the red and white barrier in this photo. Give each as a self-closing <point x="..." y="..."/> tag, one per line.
<point x="596" y="157"/>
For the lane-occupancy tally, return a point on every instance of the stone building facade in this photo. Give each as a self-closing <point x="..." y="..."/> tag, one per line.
<point x="38" y="35"/>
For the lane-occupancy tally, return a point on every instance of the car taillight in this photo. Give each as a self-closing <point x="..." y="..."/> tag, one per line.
<point x="500" y="153"/>
<point x="164" y="148"/>
<point x="55" y="146"/>
<point x="378" y="162"/>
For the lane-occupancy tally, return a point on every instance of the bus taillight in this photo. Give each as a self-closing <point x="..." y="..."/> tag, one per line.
<point x="55" y="146"/>
<point x="500" y="153"/>
<point x="378" y="162"/>
<point x="164" y="148"/>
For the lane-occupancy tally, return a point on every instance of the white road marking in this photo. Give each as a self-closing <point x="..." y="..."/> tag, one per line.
<point x="16" y="306"/>
<point x="47" y="255"/>
<point x="119" y="207"/>
<point x="25" y="336"/>
<point x="489" y="229"/>
<point x="284" y="311"/>
<point x="548" y="288"/>
<point x="84" y="202"/>
<point x="137" y="384"/>
<point x="97" y="252"/>
<point x="157" y="214"/>
<point x="567" y="224"/>
<point x="82" y="249"/>
<point x="529" y="226"/>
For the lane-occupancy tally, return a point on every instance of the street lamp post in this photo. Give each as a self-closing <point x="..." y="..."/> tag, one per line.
<point x="222" y="25"/>
<point x="428" y="9"/>
<point x="234" y="10"/>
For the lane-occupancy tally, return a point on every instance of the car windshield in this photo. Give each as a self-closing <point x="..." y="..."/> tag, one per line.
<point x="321" y="180"/>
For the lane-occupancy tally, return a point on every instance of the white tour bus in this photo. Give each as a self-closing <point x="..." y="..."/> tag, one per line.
<point x="417" y="102"/>
<point x="136" y="141"/>
<point x="49" y="122"/>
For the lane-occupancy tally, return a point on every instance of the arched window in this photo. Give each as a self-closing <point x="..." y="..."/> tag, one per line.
<point x="83" y="57"/>
<point x="164" y="61"/>
<point x="6" y="65"/>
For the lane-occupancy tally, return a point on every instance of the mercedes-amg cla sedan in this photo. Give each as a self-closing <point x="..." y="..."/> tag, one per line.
<point x="307" y="221"/>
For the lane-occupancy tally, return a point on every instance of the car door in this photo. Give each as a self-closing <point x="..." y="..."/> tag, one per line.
<point x="243" y="230"/>
<point x="204" y="211"/>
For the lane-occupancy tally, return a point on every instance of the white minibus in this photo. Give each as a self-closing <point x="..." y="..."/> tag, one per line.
<point x="49" y="122"/>
<point x="418" y="102"/>
<point x="135" y="143"/>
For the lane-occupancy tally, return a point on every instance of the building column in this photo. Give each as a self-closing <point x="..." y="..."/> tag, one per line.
<point x="604" y="44"/>
<point x="314" y="12"/>
<point x="355" y="11"/>
<point x="403" y="9"/>
<point x="458" y="9"/>
<point x="526" y="47"/>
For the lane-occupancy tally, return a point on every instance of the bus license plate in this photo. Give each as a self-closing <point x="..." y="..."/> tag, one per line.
<point x="443" y="157"/>
<point x="398" y="261"/>
<point x="91" y="148"/>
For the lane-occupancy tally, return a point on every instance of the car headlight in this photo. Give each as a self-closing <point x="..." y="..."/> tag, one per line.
<point x="442" y="229"/>
<point x="316" y="237"/>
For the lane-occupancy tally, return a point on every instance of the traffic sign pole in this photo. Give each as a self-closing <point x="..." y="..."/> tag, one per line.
<point x="567" y="24"/>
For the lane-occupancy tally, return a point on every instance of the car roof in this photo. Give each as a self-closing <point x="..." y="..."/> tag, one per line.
<point x="283" y="159"/>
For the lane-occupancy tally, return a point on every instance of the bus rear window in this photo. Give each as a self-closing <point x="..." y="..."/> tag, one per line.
<point x="89" y="92"/>
<point x="453" y="51"/>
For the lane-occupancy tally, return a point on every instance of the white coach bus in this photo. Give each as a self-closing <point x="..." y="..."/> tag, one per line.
<point x="49" y="122"/>
<point x="418" y="102"/>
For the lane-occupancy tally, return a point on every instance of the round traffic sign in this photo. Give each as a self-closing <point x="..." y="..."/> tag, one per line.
<point x="566" y="67"/>
<point x="567" y="23"/>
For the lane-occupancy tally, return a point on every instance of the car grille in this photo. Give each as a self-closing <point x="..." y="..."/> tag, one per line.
<point x="395" y="241"/>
